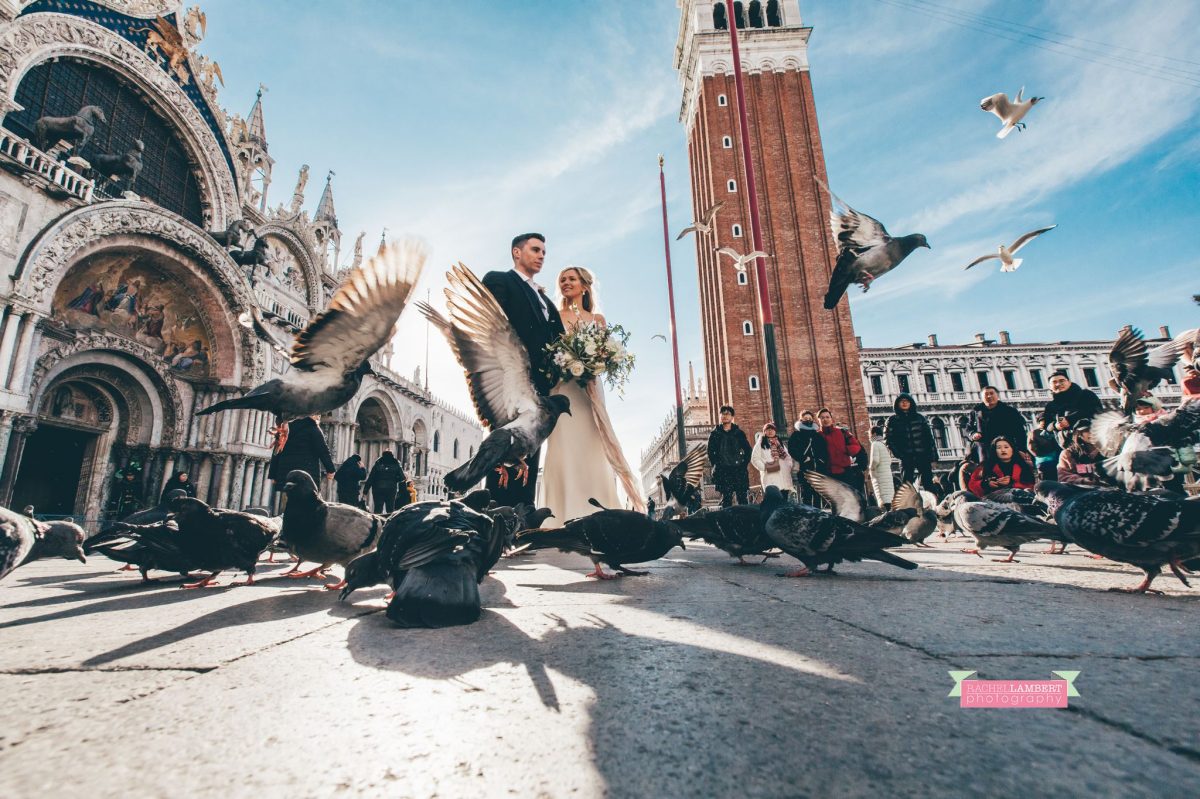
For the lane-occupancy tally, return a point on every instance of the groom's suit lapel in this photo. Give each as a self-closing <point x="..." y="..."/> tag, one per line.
<point x="529" y="294"/>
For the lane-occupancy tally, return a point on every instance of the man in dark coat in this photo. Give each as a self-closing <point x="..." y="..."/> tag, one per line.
<point x="385" y="479"/>
<point x="1069" y="405"/>
<point x="347" y="478"/>
<point x="537" y="323"/>
<point x="910" y="441"/>
<point x="809" y="452"/>
<point x="991" y="418"/>
<point x="729" y="453"/>
<point x="179" y="482"/>
<point x="305" y="449"/>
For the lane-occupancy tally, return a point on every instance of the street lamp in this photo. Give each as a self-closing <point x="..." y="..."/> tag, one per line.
<point x="760" y="266"/>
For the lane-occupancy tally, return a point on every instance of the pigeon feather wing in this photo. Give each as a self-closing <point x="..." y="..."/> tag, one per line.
<point x="855" y="230"/>
<point x="252" y="320"/>
<point x="487" y="348"/>
<point x="362" y="315"/>
<point x="846" y="502"/>
<point x="1128" y="354"/>
<point x="1028" y="237"/>
<point x="907" y="496"/>
<point x="688" y="472"/>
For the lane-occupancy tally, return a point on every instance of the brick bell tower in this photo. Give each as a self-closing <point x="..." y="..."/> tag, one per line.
<point x="818" y="354"/>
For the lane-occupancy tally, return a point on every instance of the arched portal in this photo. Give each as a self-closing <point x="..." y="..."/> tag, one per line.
<point x="374" y="431"/>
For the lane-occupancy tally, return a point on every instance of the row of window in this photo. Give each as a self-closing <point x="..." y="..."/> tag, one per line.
<point x="982" y="378"/>
<point x="755" y="15"/>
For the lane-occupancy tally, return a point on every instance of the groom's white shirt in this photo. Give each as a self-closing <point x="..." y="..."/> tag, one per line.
<point x="537" y="291"/>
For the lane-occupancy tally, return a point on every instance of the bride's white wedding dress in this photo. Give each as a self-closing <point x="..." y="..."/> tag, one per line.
<point x="584" y="460"/>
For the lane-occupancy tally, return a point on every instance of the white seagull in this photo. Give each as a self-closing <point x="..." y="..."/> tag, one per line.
<point x="1011" y="112"/>
<point x="710" y="216"/>
<point x="740" y="261"/>
<point x="1005" y="254"/>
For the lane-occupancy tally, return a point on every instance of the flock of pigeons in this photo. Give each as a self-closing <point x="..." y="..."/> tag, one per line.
<point x="865" y="250"/>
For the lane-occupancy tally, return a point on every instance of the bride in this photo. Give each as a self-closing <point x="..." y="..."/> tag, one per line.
<point x="583" y="458"/>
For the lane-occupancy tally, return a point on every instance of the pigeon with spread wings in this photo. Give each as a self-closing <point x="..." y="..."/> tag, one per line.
<point x="497" y="368"/>
<point x="1005" y="254"/>
<point x="682" y="485"/>
<point x="330" y="356"/>
<point x="1136" y="369"/>
<point x="865" y="250"/>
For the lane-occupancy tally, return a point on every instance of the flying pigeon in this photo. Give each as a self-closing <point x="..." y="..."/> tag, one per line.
<point x="705" y="226"/>
<point x="994" y="525"/>
<point x="1010" y="112"/>
<point x="910" y="517"/>
<point x="330" y="356"/>
<point x="324" y="532"/>
<point x="434" y="554"/>
<point x="1005" y="254"/>
<point x="1135" y="370"/>
<point x="814" y="536"/>
<point x="846" y="501"/>
<point x="1143" y="531"/>
<point x="1140" y="456"/>
<point x="497" y="367"/>
<point x="611" y="536"/>
<point x="865" y="250"/>
<point x="740" y="262"/>
<point x="681" y="486"/>
<point x="737" y="530"/>
<point x="23" y="539"/>
<point x="215" y="539"/>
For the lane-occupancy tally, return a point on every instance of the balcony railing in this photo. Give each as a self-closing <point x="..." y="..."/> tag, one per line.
<point x="43" y="164"/>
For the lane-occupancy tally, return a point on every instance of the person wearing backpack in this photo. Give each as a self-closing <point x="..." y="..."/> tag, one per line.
<point x="384" y="481"/>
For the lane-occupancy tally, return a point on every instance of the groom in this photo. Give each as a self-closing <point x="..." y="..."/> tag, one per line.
<point x="536" y="322"/>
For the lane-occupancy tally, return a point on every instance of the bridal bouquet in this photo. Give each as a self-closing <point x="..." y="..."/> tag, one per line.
<point x="589" y="350"/>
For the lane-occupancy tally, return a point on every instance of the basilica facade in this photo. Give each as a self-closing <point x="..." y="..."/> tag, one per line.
<point x="135" y="230"/>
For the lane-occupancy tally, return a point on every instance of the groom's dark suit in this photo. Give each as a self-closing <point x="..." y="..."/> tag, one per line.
<point x="536" y="328"/>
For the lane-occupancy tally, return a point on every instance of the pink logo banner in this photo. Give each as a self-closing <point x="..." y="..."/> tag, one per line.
<point x="1013" y="693"/>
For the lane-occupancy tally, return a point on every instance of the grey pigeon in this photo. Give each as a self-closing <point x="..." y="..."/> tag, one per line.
<point x="681" y="486"/>
<point x="994" y="525"/>
<point x="324" y="532"/>
<point x="330" y="355"/>
<point x="434" y="555"/>
<point x="910" y="516"/>
<point x="815" y="537"/>
<point x="215" y="539"/>
<point x="613" y="537"/>
<point x="1143" y="531"/>
<point x="1136" y="370"/>
<point x="1140" y="457"/>
<point x="497" y="367"/>
<point x="844" y="499"/>
<point x="865" y="250"/>
<point x="152" y="545"/>
<point x="737" y="530"/>
<point x="1010" y="112"/>
<point x="24" y="539"/>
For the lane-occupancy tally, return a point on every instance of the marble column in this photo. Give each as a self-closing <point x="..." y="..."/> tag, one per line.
<point x="219" y="461"/>
<point x="25" y="343"/>
<point x="222" y="497"/>
<point x="237" y="476"/>
<point x="8" y="341"/>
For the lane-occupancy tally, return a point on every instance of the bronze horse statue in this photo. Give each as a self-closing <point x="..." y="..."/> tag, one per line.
<point x="125" y="165"/>
<point x="233" y="235"/>
<point x="77" y="129"/>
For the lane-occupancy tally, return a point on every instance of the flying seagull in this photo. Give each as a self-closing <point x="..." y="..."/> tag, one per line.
<point x="497" y="367"/>
<point x="1010" y="112"/>
<point x="1005" y="254"/>
<point x="865" y="250"/>
<point x="741" y="261"/>
<point x="710" y="216"/>
<point x="330" y="356"/>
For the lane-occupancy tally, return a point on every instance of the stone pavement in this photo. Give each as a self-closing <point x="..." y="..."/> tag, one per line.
<point x="702" y="679"/>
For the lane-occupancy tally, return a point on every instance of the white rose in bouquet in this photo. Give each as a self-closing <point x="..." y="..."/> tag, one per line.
<point x="576" y="369"/>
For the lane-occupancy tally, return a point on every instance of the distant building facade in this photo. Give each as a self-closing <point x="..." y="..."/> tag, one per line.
<point x="663" y="452"/>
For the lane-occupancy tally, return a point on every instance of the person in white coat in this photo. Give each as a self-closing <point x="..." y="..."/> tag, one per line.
<point x="770" y="457"/>
<point x="879" y="466"/>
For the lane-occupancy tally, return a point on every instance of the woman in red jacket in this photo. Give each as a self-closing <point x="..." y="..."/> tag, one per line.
<point x="1003" y="468"/>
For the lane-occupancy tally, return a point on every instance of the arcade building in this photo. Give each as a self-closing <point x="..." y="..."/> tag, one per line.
<point x="135" y="228"/>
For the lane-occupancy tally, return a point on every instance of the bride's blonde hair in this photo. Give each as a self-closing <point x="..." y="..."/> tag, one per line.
<point x="588" y="301"/>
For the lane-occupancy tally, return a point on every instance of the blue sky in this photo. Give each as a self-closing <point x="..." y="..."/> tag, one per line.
<point x="468" y="122"/>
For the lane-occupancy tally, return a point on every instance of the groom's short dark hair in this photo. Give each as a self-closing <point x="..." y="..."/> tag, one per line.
<point x="519" y="241"/>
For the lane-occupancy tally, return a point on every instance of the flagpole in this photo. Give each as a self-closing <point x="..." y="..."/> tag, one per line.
<point x="662" y="186"/>
<point x="760" y="266"/>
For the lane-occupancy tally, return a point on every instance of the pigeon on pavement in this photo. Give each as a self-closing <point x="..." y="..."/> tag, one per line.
<point x="814" y="536"/>
<point x="1135" y="369"/>
<point x="865" y="250"/>
<point x="681" y="486"/>
<point x="845" y="499"/>
<point x="1010" y="112"/>
<point x="1143" y="531"/>
<point x="434" y="554"/>
<point x="497" y="367"/>
<point x="331" y="354"/>
<point x="153" y="545"/>
<point x="215" y="539"/>
<point x="611" y="536"/>
<point x="324" y="532"/>
<point x="23" y="539"/>
<point x="995" y="525"/>
<point x="1005" y="254"/>
<point x="705" y="225"/>
<point x="737" y="530"/>
<point x="910" y="516"/>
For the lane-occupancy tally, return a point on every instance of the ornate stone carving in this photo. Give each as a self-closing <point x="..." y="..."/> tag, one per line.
<point x="24" y="424"/>
<point x="58" y="249"/>
<point x="138" y="8"/>
<point x="300" y="247"/>
<point x="34" y="38"/>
